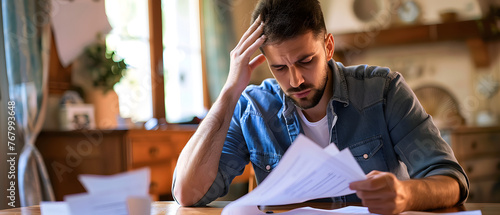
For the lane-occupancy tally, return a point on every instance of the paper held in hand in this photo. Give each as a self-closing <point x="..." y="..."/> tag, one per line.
<point x="305" y="172"/>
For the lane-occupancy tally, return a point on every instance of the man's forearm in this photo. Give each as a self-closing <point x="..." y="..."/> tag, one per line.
<point x="199" y="160"/>
<point x="437" y="191"/>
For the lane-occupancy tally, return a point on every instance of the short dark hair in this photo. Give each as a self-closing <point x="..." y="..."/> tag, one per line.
<point x="285" y="19"/>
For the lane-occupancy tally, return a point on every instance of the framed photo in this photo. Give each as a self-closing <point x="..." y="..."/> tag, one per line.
<point x="77" y="117"/>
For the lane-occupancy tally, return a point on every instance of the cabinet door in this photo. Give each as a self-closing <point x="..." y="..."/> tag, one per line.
<point x="69" y="154"/>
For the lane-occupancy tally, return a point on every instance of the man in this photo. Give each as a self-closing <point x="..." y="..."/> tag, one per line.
<point x="369" y="110"/>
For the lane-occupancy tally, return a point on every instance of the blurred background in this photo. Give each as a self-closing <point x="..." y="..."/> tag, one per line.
<point x="106" y="86"/>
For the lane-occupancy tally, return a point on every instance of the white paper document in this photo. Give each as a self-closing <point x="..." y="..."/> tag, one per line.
<point x="356" y="210"/>
<point x="54" y="208"/>
<point x="137" y="179"/>
<point x="120" y="194"/>
<point x="305" y="172"/>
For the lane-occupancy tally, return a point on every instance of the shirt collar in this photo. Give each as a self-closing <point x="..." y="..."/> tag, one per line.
<point x="340" y="92"/>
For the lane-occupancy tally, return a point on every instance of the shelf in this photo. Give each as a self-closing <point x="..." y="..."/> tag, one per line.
<point x="474" y="32"/>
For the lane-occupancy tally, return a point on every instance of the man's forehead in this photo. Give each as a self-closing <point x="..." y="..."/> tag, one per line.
<point x="297" y="47"/>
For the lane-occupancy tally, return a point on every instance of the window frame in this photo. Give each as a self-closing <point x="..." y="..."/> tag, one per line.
<point x="60" y="77"/>
<point x="156" y="49"/>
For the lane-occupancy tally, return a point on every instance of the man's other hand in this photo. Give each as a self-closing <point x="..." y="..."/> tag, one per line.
<point x="382" y="193"/>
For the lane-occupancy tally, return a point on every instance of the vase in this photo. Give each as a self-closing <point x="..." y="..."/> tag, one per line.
<point x="106" y="107"/>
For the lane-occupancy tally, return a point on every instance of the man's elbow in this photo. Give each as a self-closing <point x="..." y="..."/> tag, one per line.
<point x="186" y="196"/>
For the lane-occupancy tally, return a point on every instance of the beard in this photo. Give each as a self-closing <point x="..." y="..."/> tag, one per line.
<point x="316" y="92"/>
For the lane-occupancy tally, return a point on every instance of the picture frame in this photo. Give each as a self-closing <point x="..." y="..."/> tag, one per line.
<point x="77" y="117"/>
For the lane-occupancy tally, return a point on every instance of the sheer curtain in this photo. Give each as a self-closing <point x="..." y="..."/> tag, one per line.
<point x="4" y="99"/>
<point x="219" y="40"/>
<point x="26" y="30"/>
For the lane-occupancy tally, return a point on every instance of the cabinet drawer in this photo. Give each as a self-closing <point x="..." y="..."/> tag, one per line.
<point x="161" y="178"/>
<point x="486" y="191"/>
<point x="474" y="145"/>
<point x="179" y="140"/>
<point x="481" y="168"/>
<point x="146" y="152"/>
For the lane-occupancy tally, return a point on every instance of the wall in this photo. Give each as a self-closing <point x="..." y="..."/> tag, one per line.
<point x="447" y="65"/>
<point x="340" y="17"/>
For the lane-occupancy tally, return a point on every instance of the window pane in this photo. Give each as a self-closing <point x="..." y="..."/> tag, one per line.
<point x="182" y="60"/>
<point x="130" y="39"/>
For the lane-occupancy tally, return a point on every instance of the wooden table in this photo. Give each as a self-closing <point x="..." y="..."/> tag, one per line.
<point x="168" y="207"/>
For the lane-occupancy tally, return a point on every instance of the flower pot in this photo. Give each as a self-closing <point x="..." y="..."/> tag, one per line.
<point x="106" y="107"/>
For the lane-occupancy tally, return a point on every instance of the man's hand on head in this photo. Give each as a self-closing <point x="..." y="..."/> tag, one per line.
<point x="241" y="66"/>
<point x="382" y="193"/>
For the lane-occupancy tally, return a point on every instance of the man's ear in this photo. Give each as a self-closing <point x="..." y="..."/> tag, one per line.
<point x="329" y="46"/>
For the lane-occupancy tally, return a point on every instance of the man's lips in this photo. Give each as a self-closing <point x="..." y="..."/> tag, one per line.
<point x="302" y="94"/>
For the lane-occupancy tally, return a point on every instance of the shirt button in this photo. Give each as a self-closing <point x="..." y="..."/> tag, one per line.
<point x="365" y="156"/>
<point x="268" y="167"/>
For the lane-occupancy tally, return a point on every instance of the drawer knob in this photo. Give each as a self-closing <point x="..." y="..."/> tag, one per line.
<point x="153" y="151"/>
<point x="472" y="196"/>
<point x="153" y="186"/>
<point x="473" y="145"/>
<point x="469" y="169"/>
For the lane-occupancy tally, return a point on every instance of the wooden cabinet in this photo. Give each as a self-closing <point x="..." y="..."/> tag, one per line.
<point x="70" y="153"/>
<point x="159" y="150"/>
<point x="477" y="150"/>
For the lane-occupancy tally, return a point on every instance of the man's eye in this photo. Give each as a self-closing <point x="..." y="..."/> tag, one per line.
<point x="306" y="61"/>
<point x="281" y="68"/>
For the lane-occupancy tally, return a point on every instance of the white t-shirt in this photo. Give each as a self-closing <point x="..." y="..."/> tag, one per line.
<point x="316" y="131"/>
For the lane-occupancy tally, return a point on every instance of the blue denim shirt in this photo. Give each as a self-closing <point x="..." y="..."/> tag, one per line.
<point x="379" y="119"/>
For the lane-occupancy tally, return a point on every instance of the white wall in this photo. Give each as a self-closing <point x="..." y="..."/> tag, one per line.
<point x="447" y="65"/>
<point x="340" y="18"/>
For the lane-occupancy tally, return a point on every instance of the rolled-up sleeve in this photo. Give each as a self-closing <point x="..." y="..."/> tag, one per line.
<point x="417" y="140"/>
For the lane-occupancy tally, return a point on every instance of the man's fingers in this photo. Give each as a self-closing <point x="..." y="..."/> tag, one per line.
<point x="252" y="39"/>
<point x="257" y="61"/>
<point x="256" y="44"/>
<point x="365" y="185"/>
<point x="371" y="184"/>
<point x="376" y="195"/>
<point x="373" y="173"/>
<point x="381" y="206"/>
<point x="250" y="30"/>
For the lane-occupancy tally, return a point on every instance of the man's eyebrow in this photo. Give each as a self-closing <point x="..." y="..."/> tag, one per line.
<point x="301" y="58"/>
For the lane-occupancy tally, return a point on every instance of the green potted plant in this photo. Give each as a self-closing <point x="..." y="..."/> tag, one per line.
<point x="100" y="70"/>
<point x="105" y="67"/>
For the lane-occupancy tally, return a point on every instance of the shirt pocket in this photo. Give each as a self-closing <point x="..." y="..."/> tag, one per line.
<point x="369" y="155"/>
<point x="263" y="163"/>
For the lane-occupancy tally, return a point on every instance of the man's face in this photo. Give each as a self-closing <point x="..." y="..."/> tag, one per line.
<point x="300" y="67"/>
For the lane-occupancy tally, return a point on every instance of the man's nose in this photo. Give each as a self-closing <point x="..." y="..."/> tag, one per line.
<point x="296" y="78"/>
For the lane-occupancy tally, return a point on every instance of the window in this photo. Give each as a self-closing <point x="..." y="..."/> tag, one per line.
<point x="182" y="69"/>
<point x="130" y="39"/>
<point x="182" y="60"/>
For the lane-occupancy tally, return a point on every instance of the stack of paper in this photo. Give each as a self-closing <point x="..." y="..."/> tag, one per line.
<point x="305" y="172"/>
<point x="124" y="193"/>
